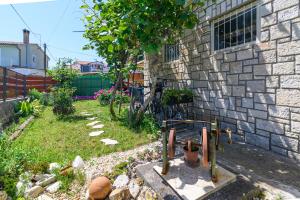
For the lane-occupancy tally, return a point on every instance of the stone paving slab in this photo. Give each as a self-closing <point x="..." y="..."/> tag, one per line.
<point x="98" y="126"/>
<point x="93" y="123"/>
<point x="193" y="183"/>
<point x="95" y="133"/>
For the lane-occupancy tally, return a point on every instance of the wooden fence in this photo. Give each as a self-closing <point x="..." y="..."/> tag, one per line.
<point x="15" y="85"/>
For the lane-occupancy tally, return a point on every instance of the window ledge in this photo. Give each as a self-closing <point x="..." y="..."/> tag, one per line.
<point x="236" y="48"/>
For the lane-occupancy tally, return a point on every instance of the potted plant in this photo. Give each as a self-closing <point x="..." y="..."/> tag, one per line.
<point x="191" y="152"/>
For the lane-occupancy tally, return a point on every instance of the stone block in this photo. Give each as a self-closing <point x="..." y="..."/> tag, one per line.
<point x="246" y="126"/>
<point x="296" y="31"/>
<point x="282" y="4"/>
<point x="236" y="67"/>
<point x="266" y="9"/>
<point x="259" y="106"/>
<point x="279" y="150"/>
<point x="279" y="111"/>
<point x="270" y="126"/>
<point x="238" y="91"/>
<point x="257" y="140"/>
<point x="264" y="98"/>
<point x="288" y="97"/>
<point x="290" y="81"/>
<point x="267" y="56"/>
<point x="247" y="102"/>
<point x="237" y="115"/>
<point x="280" y="30"/>
<point x="256" y="86"/>
<point x="244" y="54"/>
<point x="221" y="103"/>
<point x="288" y="14"/>
<point x="288" y="48"/>
<point x="257" y="114"/>
<point x="272" y="81"/>
<point x="295" y="126"/>
<point x="233" y="79"/>
<point x="262" y="69"/>
<point x="285" y="142"/>
<point x="226" y="90"/>
<point x="229" y="57"/>
<point x="295" y="117"/>
<point x="263" y="133"/>
<point x="245" y="76"/>
<point x="284" y="68"/>
<point x="265" y="36"/>
<point x="269" y="20"/>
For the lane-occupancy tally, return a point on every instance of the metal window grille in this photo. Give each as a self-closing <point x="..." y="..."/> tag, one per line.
<point x="172" y="52"/>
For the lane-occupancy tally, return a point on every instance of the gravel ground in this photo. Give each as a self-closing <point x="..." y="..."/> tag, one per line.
<point x="99" y="166"/>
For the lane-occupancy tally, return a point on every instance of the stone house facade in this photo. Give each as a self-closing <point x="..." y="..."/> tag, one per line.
<point x="242" y="62"/>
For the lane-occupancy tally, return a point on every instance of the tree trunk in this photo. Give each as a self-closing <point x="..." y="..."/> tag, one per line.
<point x="113" y="96"/>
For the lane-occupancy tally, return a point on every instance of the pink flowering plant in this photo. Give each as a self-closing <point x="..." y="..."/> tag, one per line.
<point x="104" y="96"/>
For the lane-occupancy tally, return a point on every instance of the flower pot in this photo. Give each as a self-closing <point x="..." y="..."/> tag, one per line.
<point x="191" y="154"/>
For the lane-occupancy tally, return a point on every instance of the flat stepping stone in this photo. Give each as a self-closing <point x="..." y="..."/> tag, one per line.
<point x="95" y="133"/>
<point x="91" y="118"/>
<point x="98" y="126"/>
<point x="87" y="114"/>
<point x="108" y="141"/>
<point x="93" y="123"/>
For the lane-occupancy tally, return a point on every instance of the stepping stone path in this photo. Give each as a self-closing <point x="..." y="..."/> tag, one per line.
<point x="108" y="141"/>
<point x="86" y="114"/>
<point x="95" y="133"/>
<point x="93" y="123"/>
<point x="98" y="126"/>
<point x="91" y="118"/>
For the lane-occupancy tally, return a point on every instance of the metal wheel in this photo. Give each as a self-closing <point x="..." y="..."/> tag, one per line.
<point x="204" y="147"/>
<point x="171" y="143"/>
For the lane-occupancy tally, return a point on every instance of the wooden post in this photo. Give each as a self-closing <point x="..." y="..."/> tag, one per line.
<point x="165" y="153"/>
<point x="4" y="84"/>
<point x="24" y="86"/>
<point x="16" y="88"/>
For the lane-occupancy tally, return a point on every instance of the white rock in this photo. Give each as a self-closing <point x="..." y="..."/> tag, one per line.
<point x="98" y="126"/>
<point x="22" y="187"/>
<point x="134" y="189"/>
<point x="121" y="181"/>
<point x="93" y="123"/>
<point x="53" y="187"/>
<point x="87" y="114"/>
<point x="109" y="141"/>
<point x="78" y="163"/>
<point x="3" y="195"/>
<point x="91" y="118"/>
<point x="34" y="192"/>
<point x="54" y="166"/>
<point x="95" y="133"/>
<point x="46" y="181"/>
<point x="44" y="197"/>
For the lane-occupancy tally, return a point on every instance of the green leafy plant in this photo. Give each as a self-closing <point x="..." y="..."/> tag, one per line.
<point x="46" y="99"/>
<point x="176" y="96"/>
<point x="24" y="108"/>
<point x="34" y="94"/>
<point x="63" y="101"/>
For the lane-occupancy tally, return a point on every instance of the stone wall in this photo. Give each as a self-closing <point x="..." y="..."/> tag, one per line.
<point x="253" y="88"/>
<point x="7" y="113"/>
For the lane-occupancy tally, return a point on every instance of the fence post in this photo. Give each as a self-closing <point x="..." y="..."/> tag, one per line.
<point x="24" y="86"/>
<point x="4" y="84"/>
<point x="45" y="86"/>
<point x="16" y="88"/>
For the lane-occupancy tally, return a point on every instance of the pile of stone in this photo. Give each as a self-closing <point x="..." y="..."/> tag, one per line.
<point x="33" y="185"/>
<point x="125" y="186"/>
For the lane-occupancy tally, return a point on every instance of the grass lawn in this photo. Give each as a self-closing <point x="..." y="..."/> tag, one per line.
<point x="49" y="139"/>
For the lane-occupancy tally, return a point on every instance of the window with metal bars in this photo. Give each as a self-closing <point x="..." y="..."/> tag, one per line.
<point x="237" y="28"/>
<point x="172" y="52"/>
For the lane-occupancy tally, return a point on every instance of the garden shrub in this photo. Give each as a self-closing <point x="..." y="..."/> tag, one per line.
<point x="46" y="99"/>
<point x="104" y="96"/>
<point x="34" y="94"/>
<point x="176" y="96"/>
<point x="63" y="101"/>
<point x="24" y="108"/>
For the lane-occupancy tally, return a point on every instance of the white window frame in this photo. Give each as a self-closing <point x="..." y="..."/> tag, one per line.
<point x="235" y="12"/>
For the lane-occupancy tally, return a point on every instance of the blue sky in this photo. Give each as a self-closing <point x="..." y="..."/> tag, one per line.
<point x="47" y="19"/>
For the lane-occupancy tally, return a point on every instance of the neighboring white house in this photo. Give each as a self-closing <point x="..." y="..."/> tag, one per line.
<point x="90" y="67"/>
<point x="24" y="57"/>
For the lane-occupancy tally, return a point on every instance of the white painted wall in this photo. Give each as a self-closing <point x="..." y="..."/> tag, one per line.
<point x="9" y="56"/>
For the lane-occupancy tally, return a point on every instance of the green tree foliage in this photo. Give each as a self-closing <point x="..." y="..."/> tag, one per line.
<point x="120" y="29"/>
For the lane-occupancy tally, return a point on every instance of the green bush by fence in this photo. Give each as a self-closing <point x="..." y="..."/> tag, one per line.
<point x="87" y="85"/>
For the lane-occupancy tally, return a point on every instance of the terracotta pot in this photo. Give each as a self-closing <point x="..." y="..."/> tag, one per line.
<point x="191" y="154"/>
